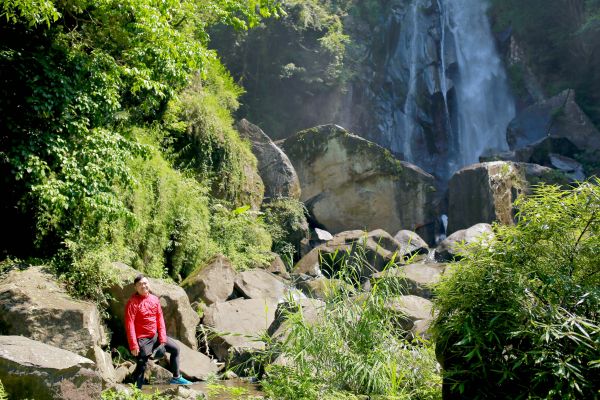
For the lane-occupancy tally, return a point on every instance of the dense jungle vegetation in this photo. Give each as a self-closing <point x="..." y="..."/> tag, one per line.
<point x="116" y="141"/>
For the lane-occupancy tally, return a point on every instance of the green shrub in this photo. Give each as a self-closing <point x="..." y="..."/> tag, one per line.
<point x="356" y="348"/>
<point x="3" y="394"/>
<point x="203" y="140"/>
<point x="170" y="231"/>
<point x="519" y="316"/>
<point x="286" y="222"/>
<point x="241" y="235"/>
<point x="134" y="394"/>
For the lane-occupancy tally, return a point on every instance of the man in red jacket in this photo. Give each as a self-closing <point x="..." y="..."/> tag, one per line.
<point x="146" y="332"/>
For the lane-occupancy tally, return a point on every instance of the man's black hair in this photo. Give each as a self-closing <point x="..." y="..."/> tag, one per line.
<point x="138" y="278"/>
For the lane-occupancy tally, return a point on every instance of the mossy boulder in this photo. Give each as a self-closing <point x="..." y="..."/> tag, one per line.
<point x="351" y="183"/>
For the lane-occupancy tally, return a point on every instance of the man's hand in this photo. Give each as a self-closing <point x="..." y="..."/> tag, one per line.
<point x="135" y="352"/>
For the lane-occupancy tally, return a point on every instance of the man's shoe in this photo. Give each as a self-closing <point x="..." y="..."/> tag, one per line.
<point x="180" y="381"/>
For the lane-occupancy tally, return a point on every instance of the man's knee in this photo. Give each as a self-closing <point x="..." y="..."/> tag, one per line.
<point x="172" y="347"/>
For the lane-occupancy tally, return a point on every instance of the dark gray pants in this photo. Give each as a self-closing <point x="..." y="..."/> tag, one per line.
<point x="147" y="346"/>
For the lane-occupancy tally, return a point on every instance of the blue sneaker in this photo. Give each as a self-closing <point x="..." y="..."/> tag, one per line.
<point x="180" y="381"/>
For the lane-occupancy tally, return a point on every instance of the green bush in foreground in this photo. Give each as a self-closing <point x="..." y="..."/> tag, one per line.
<point x="519" y="317"/>
<point x="356" y="348"/>
<point x="3" y="395"/>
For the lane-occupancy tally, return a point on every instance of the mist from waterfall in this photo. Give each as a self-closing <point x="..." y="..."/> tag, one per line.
<point x="484" y="105"/>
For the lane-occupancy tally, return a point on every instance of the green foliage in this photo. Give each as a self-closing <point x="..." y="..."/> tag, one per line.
<point x="519" y="316"/>
<point x="3" y="394"/>
<point x="203" y="140"/>
<point x="241" y="235"/>
<point x="286" y="222"/>
<point x="356" y="347"/>
<point x="84" y="268"/>
<point x="84" y="89"/>
<point x="133" y="394"/>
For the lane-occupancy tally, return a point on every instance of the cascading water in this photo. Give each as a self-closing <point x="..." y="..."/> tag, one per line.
<point x="445" y="98"/>
<point x="484" y="105"/>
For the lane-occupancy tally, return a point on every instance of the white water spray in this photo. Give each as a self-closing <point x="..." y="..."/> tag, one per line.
<point x="483" y="103"/>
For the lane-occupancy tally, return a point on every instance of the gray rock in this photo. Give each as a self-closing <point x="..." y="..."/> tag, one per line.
<point x="571" y="168"/>
<point x="418" y="278"/>
<point x="485" y="192"/>
<point x="122" y="372"/>
<point x="33" y="304"/>
<point x="260" y="284"/>
<point x="156" y="374"/>
<point x="376" y="248"/>
<point x="104" y="365"/>
<point x="195" y="365"/>
<point x="274" y="167"/>
<point x="312" y="314"/>
<point x="239" y="322"/>
<point x="277" y="267"/>
<point x="180" y="318"/>
<point x="212" y="282"/>
<point x="410" y="309"/>
<point x="321" y="288"/>
<point x="34" y="370"/>
<point x="449" y="249"/>
<point x="557" y="117"/>
<point x="350" y="183"/>
<point x="410" y="243"/>
<point x="183" y="393"/>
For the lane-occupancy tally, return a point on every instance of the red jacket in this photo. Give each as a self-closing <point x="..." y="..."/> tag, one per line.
<point x="143" y="318"/>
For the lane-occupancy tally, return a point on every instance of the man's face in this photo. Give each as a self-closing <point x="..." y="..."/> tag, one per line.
<point x="142" y="287"/>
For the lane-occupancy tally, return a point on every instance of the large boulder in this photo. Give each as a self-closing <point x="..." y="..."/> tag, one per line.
<point x="260" y="284"/>
<point x="33" y="304"/>
<point x="555" y="118"/>
<point x="410" y="243"/>
<point x="274" y="166"/>
<point x="485" y="192"/>
<point x="212" y="282"/>
<point x="418" y="279"/>
<point x="322" y="288"/>
<point x="411" y="309"/>
<point x="195" y="365"/>
<point x="449" y="248"/>
<point x="350" y="183"/>
<point x="180" y="318"/>
<point x="238" y="324"/>
<point x="378" y="248"/>
<point x="33" y="370"/>
<point x="312" y="311"/>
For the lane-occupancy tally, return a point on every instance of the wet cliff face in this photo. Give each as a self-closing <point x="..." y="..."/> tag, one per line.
<point x="422" y="78"/>
<point x="439" y="97"/>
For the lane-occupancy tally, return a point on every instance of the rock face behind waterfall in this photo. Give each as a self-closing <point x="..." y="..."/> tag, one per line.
<point x="553" y="126"/>
<point x="427" y="82"/>
<point x="350" y="183"/>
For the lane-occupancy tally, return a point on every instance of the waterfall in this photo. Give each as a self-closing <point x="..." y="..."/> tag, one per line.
<point x="484" y="106"/>
<point x="442" y="70"/>
<point x="409" y="123"/>
<point x="444" y="100"/>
